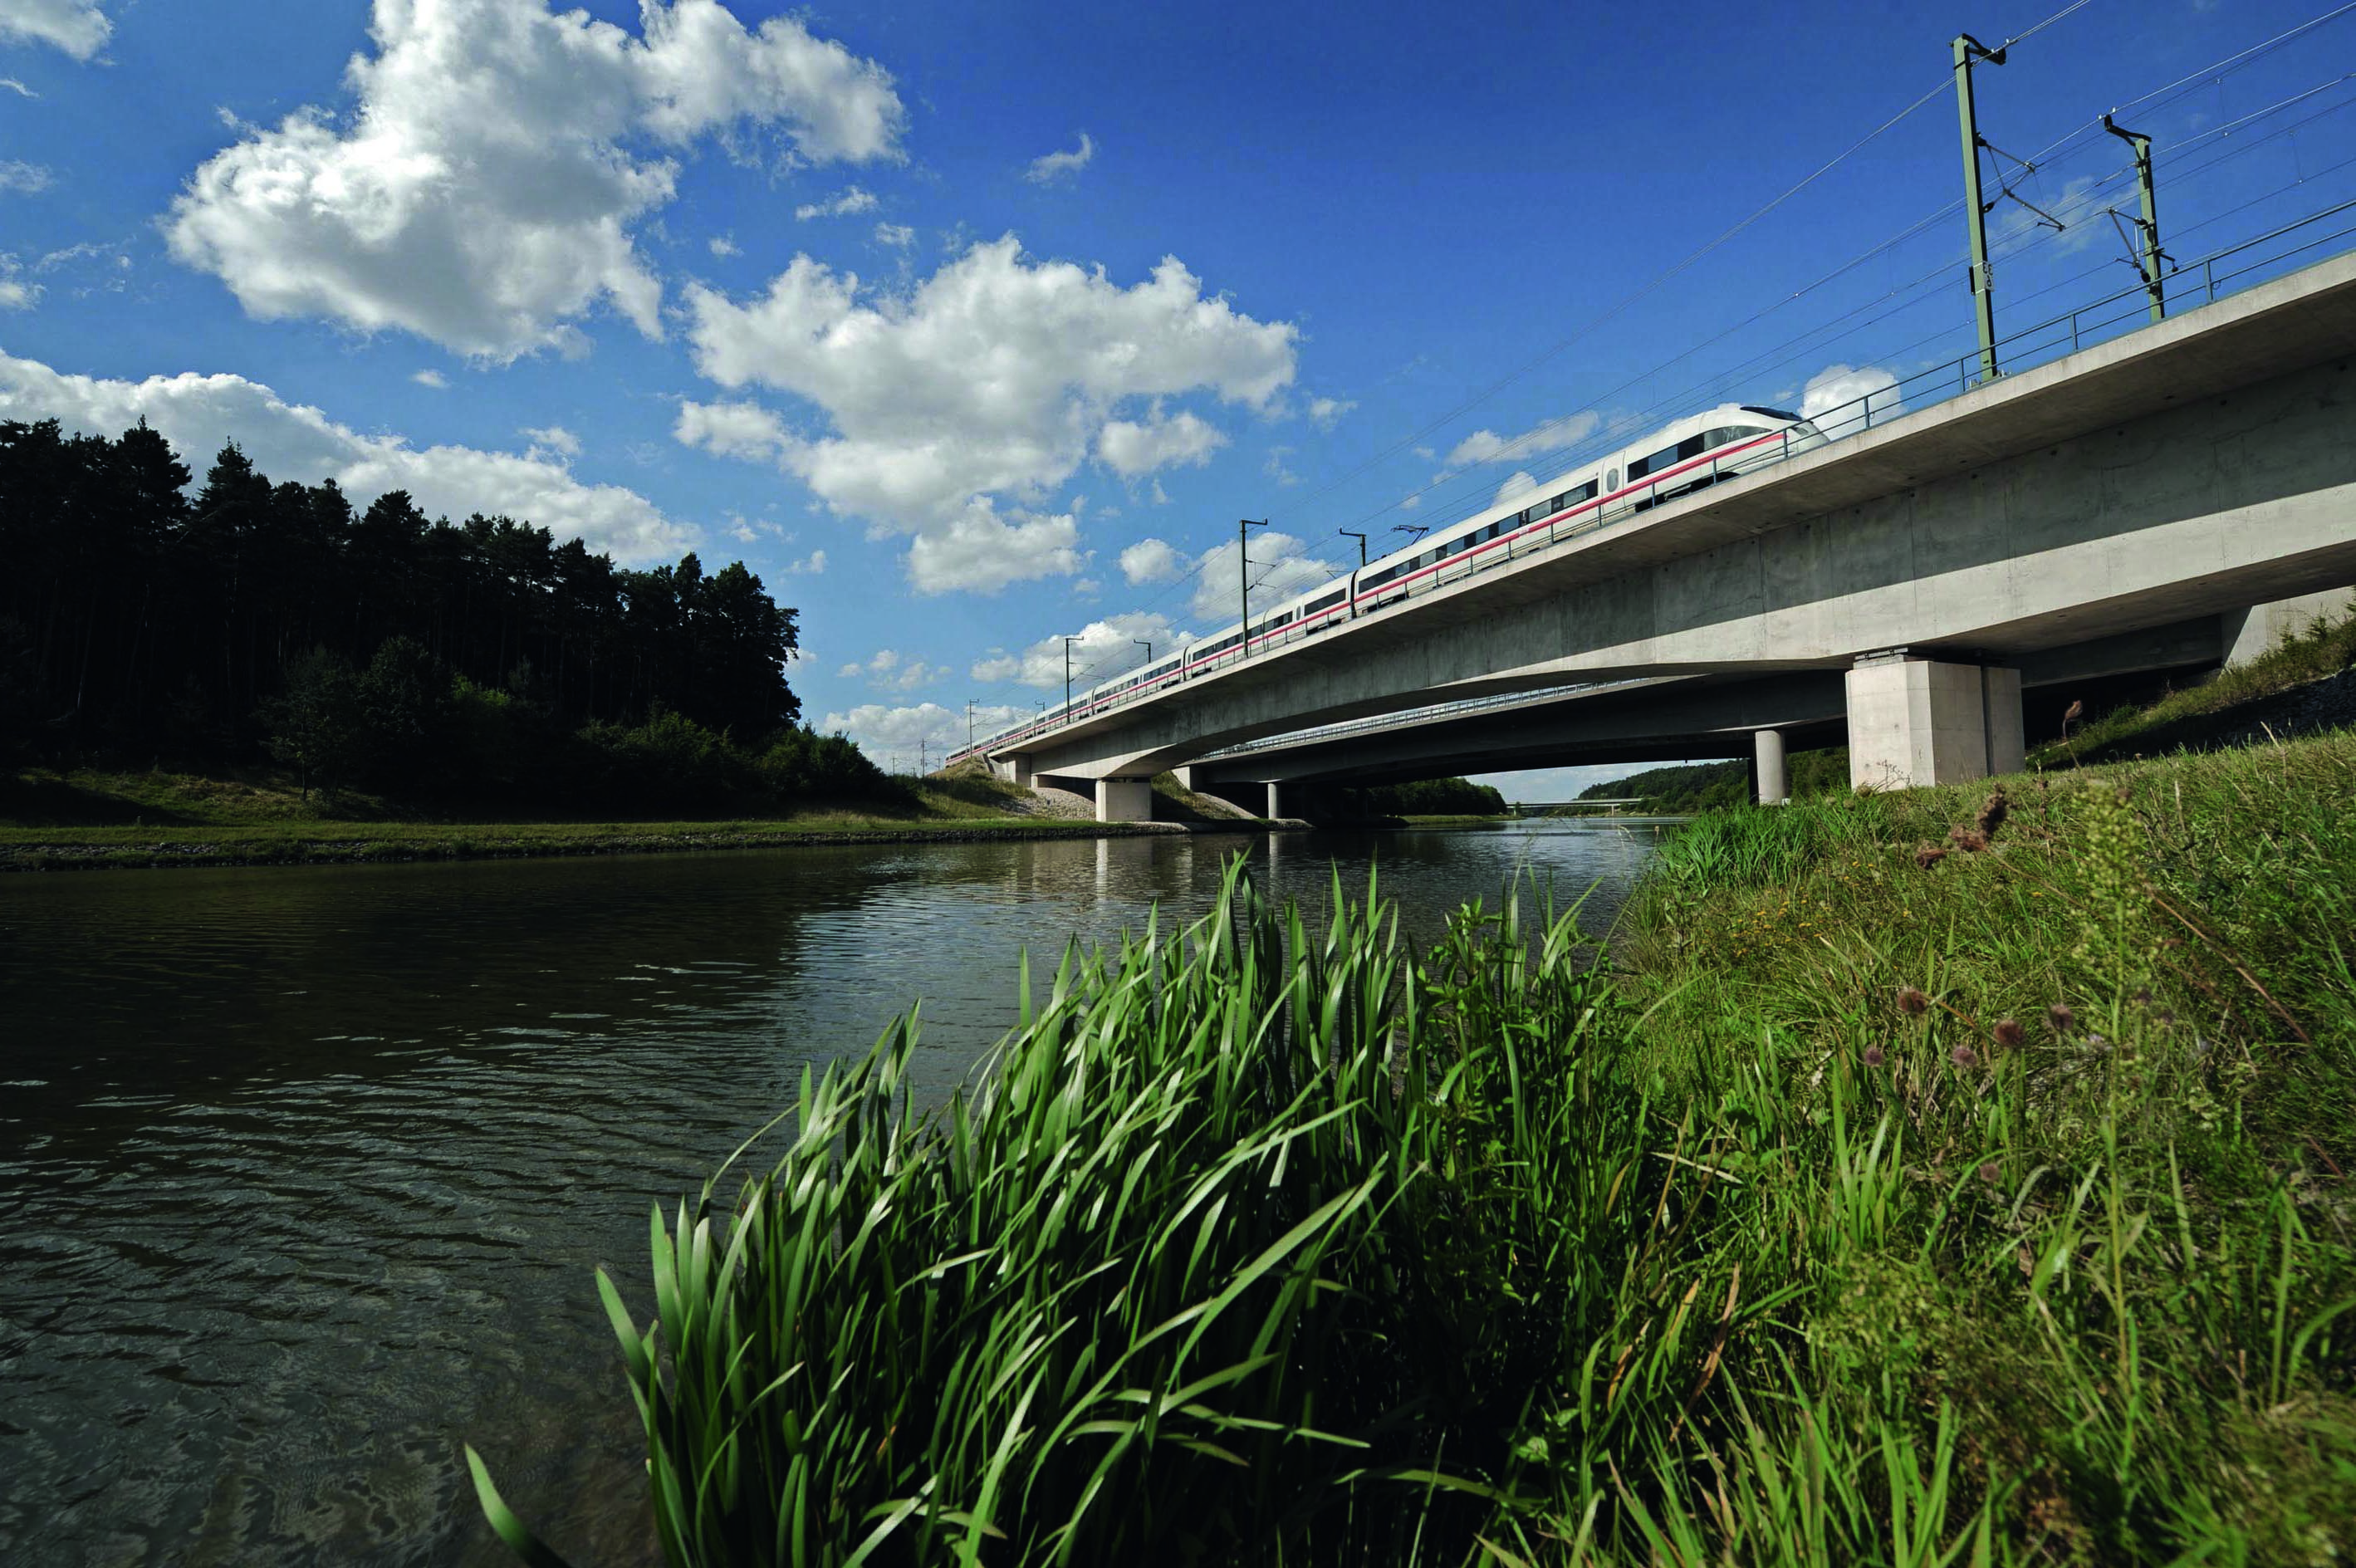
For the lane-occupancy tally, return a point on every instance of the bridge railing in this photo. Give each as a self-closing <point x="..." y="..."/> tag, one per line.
<point x="2220" y="273"/>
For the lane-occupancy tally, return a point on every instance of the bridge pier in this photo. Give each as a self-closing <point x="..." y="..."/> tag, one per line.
<point x="1014" y="770"/>
<point x="1124" y="800"/>
<point x="1917" y="722"/>
<point x="1767" y="756"/>
<point x="1275" y="800"/>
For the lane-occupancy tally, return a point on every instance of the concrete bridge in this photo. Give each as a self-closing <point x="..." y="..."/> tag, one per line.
<point x="2160" y="501"/>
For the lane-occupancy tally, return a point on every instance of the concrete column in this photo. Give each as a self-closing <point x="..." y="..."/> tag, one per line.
<point x="1916" y="721"/>
<point x="1124" y="800"/>
<point x="1015" y="769"/>
<point x="1275" y="800"/>
<point x="2248" y="633"/>
<point x="1186" y="776"/>
<point x="1767" y="752"/>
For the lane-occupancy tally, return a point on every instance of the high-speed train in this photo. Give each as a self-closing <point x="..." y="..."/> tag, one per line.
<point x="1701" y="449"/>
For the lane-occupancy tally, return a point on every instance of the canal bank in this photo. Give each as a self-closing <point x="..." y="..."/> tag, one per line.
<point x="1959" y="1175"/>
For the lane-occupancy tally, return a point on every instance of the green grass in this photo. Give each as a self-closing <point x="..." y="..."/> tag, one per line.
<point x="1883" y="1207"/>
<point x="54" y="821"/>
<point x="2326" y="647"/>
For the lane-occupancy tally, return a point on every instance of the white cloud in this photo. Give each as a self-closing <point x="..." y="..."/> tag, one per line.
<point x="1275" y="469"/>
<point x="1057" y="165"/>
<point x="2078" y="207"/>
<point x="15" y="293"/>
<point x="1325" y="412"/>
<point x="1517" y="483"/>
<point x="77" y="27"/>
<point x="809" y="565"/>
<point x="995" y="378"/>
<point x="553" y="437"/>
<point x="1280" y="566"/>
<point x="1838" y="397"/>
<point x="887" y="670"/>
<point x="724" y="245"/>
<point x="16" y="87"/>
<point x="982" y="553"/>
<point x="434" y="379"/>
<point x="1133" y="450"/>
<point x="898" y="235"/>
<point x="1100" y="651"/>
<point x="1150" y="561"/>
<point x="850" y="201"/>
<point x="1551" y="435"/>
<point x="927" y="731"/>
<point x="24" y="177"/>
<point x="481" y="192"/>
<point x="199" y="414"/>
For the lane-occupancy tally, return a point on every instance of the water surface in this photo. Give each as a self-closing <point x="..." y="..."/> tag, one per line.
<point x="302" y="1171"/>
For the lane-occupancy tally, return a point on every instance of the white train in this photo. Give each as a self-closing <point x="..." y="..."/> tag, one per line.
<point x="1701" y="449"/>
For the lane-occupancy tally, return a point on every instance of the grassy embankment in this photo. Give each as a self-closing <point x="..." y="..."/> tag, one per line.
<point x="1929" y="1184"/>
<point x="2300" y="686"/>
<point x="51" y="820"/>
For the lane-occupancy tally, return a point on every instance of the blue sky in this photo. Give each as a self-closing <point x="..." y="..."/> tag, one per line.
<point x="969" y="327"/>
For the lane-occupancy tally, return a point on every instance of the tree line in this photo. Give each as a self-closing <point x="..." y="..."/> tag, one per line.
<point x="481" y="660"/>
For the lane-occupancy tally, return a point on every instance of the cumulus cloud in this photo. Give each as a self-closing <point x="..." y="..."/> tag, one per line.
<point x="434" y="379"/>
<point x="1279" y="564"/>
<point x="1100" y="651"/>
<point x="1551" y="435"/>
<point x="1325" y="412"/>
<point x="724" y="245"/>
<point x="809" y="565"/>
<point x="481" y="191"/>
<point x="927" y="731"/>
<point x="1518" y="483"/>
<point x="899" y="236"/>
<point x="982" y="552"/>
<point x="1839" y="398"/>
<point x="77" y="27"/>
<point x="1061" y="166"/>
<point x="1150" y="561"/>
<point x="199" y="414"/>
<point x="851" y="200"/>
<point x="1133" y="449"/>
<point x="990" y="381"/>
<point x="24" y="177"/>
<point x="554" y="439"/>
<point x="887" y="670"/>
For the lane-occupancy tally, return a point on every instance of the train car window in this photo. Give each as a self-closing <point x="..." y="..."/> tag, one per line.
<point x="1611" y="479"/>
<point x="1691" y="447"/>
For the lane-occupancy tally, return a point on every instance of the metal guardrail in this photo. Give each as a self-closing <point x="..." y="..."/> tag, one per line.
<point x="2041" y="344"/>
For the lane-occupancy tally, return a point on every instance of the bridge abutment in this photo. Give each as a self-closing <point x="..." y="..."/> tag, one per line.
<point x="2263" y="628"/>
<point x="1015" y="769"/>
<point x="1767" y="758"/>
<point x="1917" y="722"/>
<point x="1124" y="800"/>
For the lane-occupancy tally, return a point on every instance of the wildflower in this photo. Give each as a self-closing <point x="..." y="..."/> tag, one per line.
<point x="1929" y="855"/>
<point x="1971" y="840"/>
<point x="2008" y="1033"/>
<point x="1988" y="1173"/>
<point x="2059" y="1016"/>
<point x="1912" y="1003"/>
<point x="1963" y="1055"/>
<point x="1873" y="1056"/>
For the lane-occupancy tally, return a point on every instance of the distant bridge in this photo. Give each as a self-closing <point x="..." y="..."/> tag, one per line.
<point x="2163" y="500"/>
<point x="1540" y="808"/>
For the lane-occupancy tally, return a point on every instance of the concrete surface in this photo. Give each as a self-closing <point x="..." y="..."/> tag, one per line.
<point x="1914" y="722"/>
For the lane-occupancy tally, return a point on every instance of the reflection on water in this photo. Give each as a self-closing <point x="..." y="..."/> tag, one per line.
<point x="303" y="1172"/>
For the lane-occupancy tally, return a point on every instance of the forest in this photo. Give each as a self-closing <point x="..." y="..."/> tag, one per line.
<point x="479" y="662"/>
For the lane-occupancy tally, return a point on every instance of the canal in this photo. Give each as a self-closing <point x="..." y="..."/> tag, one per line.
<point x="303" y="1172"/>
